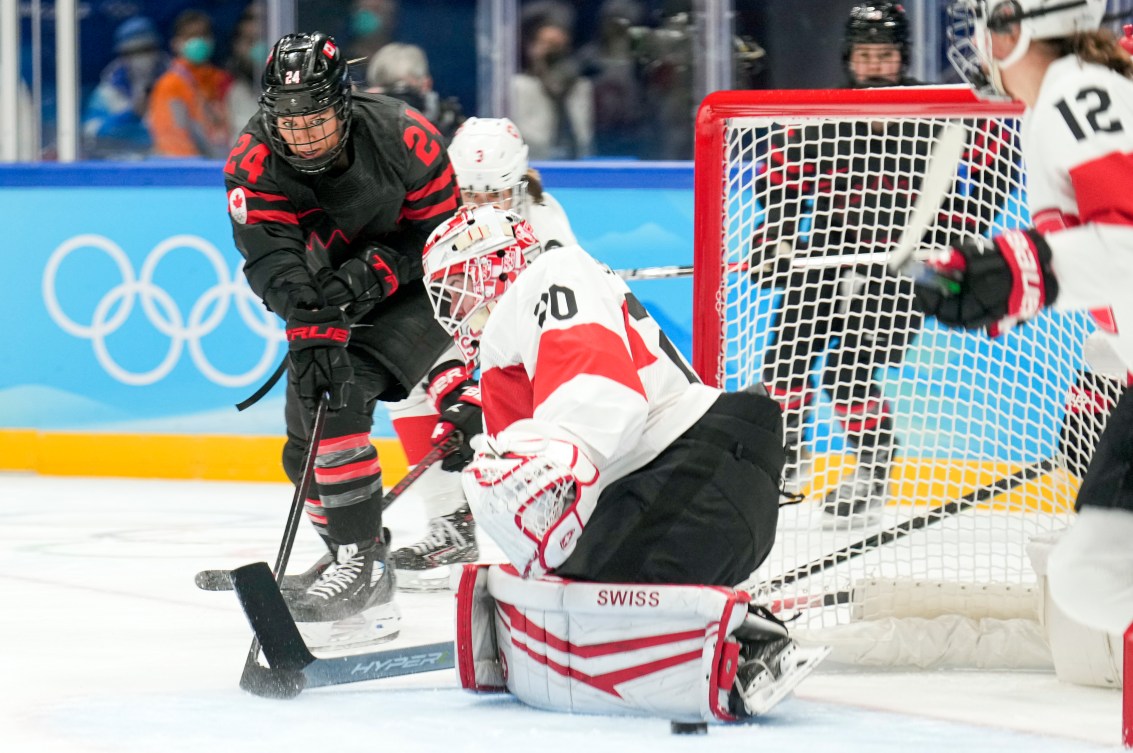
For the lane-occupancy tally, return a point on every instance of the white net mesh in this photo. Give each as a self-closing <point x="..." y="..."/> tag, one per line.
<point x="924" y="454"/>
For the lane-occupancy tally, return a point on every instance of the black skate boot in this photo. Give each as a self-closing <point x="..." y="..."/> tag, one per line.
<point x="862" y="494"/>
<point x="425" y="566"/>
<point x="351" y="602"/>
<point x="772" y="664"/>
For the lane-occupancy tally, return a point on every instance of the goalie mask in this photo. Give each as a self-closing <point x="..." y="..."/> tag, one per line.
<point x="971" y="23"/>
<point x="470" y="261"/>
<point x="305" y="104"/>
<point x="489" y="157"/>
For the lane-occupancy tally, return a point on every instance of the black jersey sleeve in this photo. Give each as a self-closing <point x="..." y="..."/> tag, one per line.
<point x="431" y="192"/>
<point x="265" y="227"/>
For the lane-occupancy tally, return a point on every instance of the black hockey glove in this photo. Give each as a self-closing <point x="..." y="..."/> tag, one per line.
<point x="456" y="397"/>
<point x="318" y="359"/>
<point x="363" y="280"/>
<point x="993" y="283"/>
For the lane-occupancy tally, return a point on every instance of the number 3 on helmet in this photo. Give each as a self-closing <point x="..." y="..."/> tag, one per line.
<point x="470" y="261"/>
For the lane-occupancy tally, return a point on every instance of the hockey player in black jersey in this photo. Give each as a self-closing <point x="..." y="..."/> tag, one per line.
<point x="332" y="195"/>
<point x="839" y="191"/>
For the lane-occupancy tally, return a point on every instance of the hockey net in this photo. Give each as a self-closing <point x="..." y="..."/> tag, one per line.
<point x="985" y="454"/>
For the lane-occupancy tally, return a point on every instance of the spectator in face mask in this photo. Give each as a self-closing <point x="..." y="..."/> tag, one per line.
<point x="188" y="114"/>
<point x="552" y="105"/>
<point x="246" y="65"/>
<point x="371" y="26"/>
<point x="402" y="71"/>
<point x="113" y="126"/>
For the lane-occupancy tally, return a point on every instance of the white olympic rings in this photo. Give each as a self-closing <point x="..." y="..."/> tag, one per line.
<point x="207" y="313"/>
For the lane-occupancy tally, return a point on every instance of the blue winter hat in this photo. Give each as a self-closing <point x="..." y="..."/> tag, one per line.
<point x="137" y="33"/>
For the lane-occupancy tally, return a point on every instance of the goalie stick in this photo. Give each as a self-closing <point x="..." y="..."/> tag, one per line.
<point x="972" y="499"/>
<point x="221" y="580"/>
<point x="946" y="155"/>
<point x="292" y="667"/>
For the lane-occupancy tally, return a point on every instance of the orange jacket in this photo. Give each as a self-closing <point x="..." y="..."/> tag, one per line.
<point x="188" y="114"/>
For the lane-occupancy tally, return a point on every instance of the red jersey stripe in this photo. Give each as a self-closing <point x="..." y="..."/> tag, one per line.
<point x="594" y="351"/>
<point x="508" y="397"/>
<point x="437" y="184"/>
<point x="1096" y="188"/>
<point x="425" y="213"/>
<point x="272" y="215"/>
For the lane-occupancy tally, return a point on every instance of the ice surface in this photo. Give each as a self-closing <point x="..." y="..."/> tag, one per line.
<point x="107" y="646"/>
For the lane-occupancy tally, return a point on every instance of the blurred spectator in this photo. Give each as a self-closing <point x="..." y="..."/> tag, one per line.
<point x="114" y="126"/>
<point x="371" y="26"/>
<point x="246" y="65"/>
<point x="610" y="64"/>
<point x="552" y="104"/>
<point x="187" y="114"/>
<point x="402" y="71"/>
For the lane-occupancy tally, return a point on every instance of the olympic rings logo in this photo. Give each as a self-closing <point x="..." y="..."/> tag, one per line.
<point x="161" y="310"/>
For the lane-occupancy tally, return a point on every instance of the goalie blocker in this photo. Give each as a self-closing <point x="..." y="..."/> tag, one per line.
<point x="685" y="653"/>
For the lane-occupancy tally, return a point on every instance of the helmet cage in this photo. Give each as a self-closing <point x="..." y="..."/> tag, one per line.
<point x="470" y="262"/>
<point x="306" y="75"/>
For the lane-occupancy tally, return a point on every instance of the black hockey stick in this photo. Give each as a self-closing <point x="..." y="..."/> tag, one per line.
<point x="973" y="498"/>
<point x="251" y="663"/>
<point x="291" y="665"/>
<point x="221" y="580"/>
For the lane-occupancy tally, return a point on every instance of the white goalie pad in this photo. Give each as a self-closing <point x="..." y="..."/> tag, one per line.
<point x="605" y="648"/>
<point x="533" y="496"/>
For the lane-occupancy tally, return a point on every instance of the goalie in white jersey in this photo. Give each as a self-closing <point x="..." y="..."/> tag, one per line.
<point x="608" y="472"/>
<point x="1077" y="139"/>
<point x="489" y="157"/>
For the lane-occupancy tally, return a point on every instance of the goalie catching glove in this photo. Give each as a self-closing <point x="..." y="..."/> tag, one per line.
<point x="533" y="495"/>
<point x="456" y="397"/>
<point x="992" y="283"/>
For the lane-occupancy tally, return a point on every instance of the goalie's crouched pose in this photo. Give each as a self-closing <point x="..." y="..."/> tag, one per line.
<point x="611" y="477"/>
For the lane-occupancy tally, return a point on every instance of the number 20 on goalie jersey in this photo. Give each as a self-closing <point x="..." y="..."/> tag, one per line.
<point x="569" y="349"/>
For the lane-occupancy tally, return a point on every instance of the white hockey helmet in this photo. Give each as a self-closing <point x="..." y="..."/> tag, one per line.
<point x="490" y="159"/>
<point x="470" y="261"/>
<point x="973" y="21"/>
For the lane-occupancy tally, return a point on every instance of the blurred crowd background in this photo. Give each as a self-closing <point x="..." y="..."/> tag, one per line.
<point x="585" y="79"/>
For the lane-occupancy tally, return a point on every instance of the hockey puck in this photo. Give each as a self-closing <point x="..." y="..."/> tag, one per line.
<point x="272" y="683"/>
<point x="689" y="728"/>
<point x="213" y="580"/>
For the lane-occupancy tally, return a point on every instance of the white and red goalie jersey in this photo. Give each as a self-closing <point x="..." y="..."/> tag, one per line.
<point x="1078" y="144"/>
<point x="570" y="354"/>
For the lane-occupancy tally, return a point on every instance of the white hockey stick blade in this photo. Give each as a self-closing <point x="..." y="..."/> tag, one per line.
<point x="945" y="158"/>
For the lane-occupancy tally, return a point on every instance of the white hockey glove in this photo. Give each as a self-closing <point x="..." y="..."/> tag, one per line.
<point x="533" y="495"/>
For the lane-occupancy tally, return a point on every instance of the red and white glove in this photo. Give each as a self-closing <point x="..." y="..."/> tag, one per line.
<point x="456" y="397"/>
<point x="533" y="496"/>
<point x="993" y="283"/>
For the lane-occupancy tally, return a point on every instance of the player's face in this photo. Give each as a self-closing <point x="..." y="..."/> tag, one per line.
<point x="876" y="63"/>
<point x="312" y="135"/>
<point x="501" y="199"/>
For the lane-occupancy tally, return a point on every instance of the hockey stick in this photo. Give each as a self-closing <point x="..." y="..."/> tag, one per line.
<point x="942" y="164"/>
<point x="889" y="535"/>
<point x="665" y="273"/>
<point x="221" y="580"/>
<point x="251" y="663"/>
<point x="293" y="668"/>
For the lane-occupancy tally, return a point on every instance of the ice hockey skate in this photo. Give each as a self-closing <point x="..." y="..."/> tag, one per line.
<point x="861" y="496"/>
<point x="350" y="605"/>
<point x="772" y="664"/>
<point x="426" y="565"/>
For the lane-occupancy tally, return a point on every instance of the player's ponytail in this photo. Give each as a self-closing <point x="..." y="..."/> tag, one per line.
<point x="534" y="185"/>
<point x="1099" y="47"/>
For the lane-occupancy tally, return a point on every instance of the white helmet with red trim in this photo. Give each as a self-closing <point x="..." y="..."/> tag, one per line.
<point x="973" y="21"/>
<point x="470" y="261"/>
<point x="489" y="157"/>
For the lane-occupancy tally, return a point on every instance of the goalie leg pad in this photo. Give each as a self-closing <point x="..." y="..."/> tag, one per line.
<point x="606" y="648"/>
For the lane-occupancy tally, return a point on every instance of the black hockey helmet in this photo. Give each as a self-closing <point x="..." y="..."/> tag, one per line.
<point x="878" y="22"/>
<point x="306" y="74"/>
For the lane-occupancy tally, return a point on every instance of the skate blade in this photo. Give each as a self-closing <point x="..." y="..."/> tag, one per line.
<point x="799" y="664"/>
<point x="378" y="624"/>
<point x="444" y="578"/>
